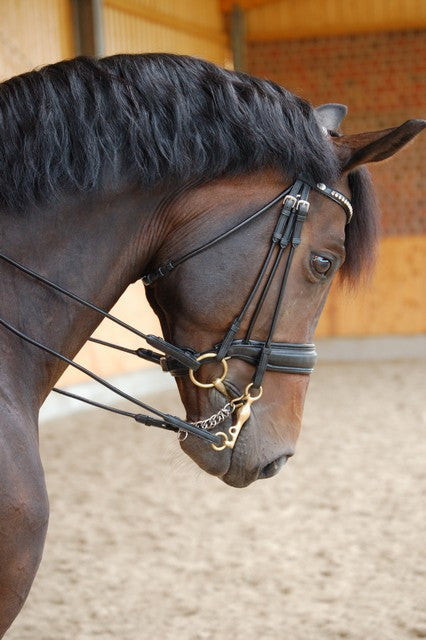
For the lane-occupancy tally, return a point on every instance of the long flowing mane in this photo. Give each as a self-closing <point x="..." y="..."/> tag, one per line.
<point x="161" y="117"/>
<point x="156" y="118"/>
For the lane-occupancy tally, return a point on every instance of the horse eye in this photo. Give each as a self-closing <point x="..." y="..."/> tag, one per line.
<point x="321" y="265"/>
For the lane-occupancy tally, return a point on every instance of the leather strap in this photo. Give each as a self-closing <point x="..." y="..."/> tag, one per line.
<point x="284" y="357"/>
<point x="168" y="266"/>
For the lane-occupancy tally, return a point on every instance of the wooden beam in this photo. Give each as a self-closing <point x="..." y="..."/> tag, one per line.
<point x="88" y="27"/>
<point x="238" y="37"/>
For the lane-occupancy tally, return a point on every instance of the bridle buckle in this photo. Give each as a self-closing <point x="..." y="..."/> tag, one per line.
<point x="290" y="199"/>
<point x="303" y="204"/>
<point x="297" y="203"/>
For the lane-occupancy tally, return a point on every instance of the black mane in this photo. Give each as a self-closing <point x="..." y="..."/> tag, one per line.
<point x="156" y="118"/>
<point x="159" y="116"/>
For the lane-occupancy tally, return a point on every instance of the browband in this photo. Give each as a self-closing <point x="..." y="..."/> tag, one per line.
<point x="333" y="194"/>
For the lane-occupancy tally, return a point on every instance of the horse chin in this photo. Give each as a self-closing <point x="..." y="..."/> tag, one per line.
<point x="242" y="465"/>
<point x="213" y="462"/>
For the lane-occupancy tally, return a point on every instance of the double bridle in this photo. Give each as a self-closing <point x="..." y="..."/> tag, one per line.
<point x="264" y="355"/>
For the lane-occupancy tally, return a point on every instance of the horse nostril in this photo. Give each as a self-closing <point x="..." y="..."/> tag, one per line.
<point x="272" y="468"/>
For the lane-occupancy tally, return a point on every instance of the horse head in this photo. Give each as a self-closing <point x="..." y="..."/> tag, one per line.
<point x="201" y="299"/>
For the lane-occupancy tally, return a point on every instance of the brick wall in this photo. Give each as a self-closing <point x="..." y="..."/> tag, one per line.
<point x="381" y="77"/>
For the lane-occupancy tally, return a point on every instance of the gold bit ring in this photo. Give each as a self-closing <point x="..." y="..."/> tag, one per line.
<point x="209" y="385"/>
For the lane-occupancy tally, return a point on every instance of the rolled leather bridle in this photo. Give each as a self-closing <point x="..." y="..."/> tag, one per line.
<point x="264" y="355"/>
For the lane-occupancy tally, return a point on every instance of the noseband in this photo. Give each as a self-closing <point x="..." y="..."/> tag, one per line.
<point x="264" y="355"/>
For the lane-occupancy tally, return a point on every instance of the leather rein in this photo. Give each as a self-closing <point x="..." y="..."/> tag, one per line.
<point x="264" y="355"/>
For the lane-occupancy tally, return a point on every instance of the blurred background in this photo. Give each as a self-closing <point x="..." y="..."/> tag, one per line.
<point x="367" y="54"/>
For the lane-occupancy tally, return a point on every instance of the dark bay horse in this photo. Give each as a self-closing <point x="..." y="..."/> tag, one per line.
<point x="113" y="168"/>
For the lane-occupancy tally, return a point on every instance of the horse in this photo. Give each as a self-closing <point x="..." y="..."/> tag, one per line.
<point x="231" y="196"/>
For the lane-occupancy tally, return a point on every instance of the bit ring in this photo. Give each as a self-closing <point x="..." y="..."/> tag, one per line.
<point x="209" y="385"/>
<point x="247" y="392"/>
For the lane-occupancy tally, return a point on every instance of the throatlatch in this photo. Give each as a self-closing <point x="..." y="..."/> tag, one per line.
<point x="264" y="355"/>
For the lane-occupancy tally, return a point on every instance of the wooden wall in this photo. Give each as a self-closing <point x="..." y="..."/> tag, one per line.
<point x="191" y="27"/>
<point x="391" y="303"/>
<point x="34" y="33"/>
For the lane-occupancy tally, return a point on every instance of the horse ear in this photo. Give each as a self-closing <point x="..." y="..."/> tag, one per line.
<point x="330" y="116"/>
<point x="375" y="146"/>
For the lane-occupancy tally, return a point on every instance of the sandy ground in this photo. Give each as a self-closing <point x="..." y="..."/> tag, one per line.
<point x="143" y="546"/>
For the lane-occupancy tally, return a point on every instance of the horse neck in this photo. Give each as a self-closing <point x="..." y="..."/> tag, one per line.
<point x="94" y="248"/>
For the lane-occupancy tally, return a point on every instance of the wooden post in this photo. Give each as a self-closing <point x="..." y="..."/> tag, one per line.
<point x="88" y="27"/>
<point x="238" y="37"/>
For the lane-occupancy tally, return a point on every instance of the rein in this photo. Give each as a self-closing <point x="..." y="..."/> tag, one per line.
<point x="264" y="355"/>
